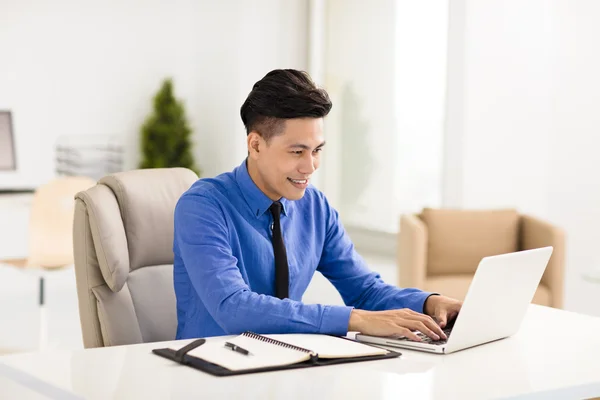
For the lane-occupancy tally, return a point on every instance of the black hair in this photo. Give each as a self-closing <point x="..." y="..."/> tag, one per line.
<point x="282" y="94"/>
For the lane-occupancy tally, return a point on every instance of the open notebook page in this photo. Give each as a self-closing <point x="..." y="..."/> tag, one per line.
<point x="261" y="354"/>
<point x="329" y="346"/>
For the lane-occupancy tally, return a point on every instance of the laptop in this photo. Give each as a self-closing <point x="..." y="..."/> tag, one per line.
<point x="494" y="307"/>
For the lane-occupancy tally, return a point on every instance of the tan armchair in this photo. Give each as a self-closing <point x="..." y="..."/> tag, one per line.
<point x="440" y="249"/>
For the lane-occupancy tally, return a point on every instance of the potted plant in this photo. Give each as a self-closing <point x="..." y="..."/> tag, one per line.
<point x="166" y="135"/>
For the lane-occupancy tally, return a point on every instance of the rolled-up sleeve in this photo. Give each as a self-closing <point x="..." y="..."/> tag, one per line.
<point x="358" y="285"/>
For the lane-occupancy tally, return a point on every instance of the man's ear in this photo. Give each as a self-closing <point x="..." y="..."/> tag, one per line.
<point x="254" y="142"/>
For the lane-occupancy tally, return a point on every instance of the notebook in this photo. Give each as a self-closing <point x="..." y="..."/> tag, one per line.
<point x="271" y="353"/>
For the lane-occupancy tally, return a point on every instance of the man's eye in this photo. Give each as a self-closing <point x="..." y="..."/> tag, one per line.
<point x="297" y="152"/>
<point x="318" y="150"/>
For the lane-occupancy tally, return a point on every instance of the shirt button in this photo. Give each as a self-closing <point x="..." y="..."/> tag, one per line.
<point x="272" y="225"/>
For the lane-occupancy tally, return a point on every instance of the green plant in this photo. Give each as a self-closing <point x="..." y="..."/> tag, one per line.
<point x="166" y="136"/>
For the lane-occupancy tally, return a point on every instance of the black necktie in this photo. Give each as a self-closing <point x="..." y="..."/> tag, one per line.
<point x="281" y="263"/>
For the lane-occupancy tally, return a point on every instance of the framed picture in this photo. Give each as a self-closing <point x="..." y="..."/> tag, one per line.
<point x="8" y="157"/>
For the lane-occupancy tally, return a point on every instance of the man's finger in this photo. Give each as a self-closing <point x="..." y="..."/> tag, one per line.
<point x="421" y="327"/>
<point x="408" y="333"/>
<point x="430" y="323"/>
<point x="441" y="317"/>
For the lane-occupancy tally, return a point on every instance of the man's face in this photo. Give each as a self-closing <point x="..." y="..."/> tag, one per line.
<point x="285" y="165"/>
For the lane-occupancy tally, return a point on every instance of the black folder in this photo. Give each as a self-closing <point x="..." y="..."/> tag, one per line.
<point x="181" y="356"/>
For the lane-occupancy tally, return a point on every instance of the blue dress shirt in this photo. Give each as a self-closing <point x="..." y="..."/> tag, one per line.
<point x="224" y="268"/>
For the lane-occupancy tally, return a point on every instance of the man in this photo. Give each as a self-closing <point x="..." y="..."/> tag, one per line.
<point x="248" y="242"/>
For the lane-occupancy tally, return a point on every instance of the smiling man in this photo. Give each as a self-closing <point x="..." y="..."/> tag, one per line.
<point x="248" y="242"/>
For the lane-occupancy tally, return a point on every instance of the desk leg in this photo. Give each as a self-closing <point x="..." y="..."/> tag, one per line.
<point x="43" y="317"/>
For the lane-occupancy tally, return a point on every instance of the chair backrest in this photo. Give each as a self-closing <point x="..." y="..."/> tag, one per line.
<point x="50" y="234"/>
<point x="459" y="239"/>
<point x="123" y="246"/>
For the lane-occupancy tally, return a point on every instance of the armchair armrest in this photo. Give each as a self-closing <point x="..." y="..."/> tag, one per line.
<point x="536" y="233"/>
<point x="412" y="252"/>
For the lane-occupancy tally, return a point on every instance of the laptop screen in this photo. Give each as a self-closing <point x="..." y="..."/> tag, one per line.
<point x="7" y="145"/>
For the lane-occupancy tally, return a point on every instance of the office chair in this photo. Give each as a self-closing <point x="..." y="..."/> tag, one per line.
<point x="123" y="241"/>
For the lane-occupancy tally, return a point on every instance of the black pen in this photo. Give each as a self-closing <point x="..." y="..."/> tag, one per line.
<point x="237" y="348"/>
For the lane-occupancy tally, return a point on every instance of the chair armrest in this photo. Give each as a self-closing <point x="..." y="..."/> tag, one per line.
<point x="412" y="252"/>
<point x="536" y="233"/>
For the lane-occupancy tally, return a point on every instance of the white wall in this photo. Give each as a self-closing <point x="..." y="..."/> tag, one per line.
<point x="359" y="76"/>
<point x="91" y="68"/>
<point x="574" y="170"/>
<point x="420" y="67"/>
<point x="385" y="72"/>
<point x="522" y="128"/>
<point x="504" y="89"/>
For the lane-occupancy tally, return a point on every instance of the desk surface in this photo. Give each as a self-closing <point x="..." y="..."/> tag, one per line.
<point x="555" y="354"/>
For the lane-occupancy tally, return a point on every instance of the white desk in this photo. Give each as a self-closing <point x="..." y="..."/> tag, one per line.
<point x="556" y="354"/>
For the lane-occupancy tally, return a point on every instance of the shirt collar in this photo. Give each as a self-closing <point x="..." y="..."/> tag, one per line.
<point x="258" y="201"/>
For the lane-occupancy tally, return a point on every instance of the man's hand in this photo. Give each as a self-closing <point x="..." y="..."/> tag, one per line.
<point x="442" y="308"/>
<point x="394" y="323"/>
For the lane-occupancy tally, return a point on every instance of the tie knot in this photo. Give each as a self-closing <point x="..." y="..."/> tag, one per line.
<point x="276" y="208"/>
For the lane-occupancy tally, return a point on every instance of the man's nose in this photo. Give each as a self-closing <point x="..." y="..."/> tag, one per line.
<point x="309" y="165"/>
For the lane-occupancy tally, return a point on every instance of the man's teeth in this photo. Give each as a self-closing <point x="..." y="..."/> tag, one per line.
<point x="303" y="181"/>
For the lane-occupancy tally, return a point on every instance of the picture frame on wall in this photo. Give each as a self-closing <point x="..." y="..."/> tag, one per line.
<point x="8" y="158"/>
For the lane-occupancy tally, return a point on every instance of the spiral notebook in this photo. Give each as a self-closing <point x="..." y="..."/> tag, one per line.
<point x="260" y="353"/>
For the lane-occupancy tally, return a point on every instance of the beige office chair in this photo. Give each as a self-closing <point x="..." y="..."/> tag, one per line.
<point x="123" y="242"/>
<point x="439" y="250"/>
<point x="50" y="229"/>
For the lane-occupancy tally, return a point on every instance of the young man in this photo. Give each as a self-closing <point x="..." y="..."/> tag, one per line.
<point x="248" y="242"/>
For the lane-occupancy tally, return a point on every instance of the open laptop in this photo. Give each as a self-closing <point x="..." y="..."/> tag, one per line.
<point x="494" y="307"/>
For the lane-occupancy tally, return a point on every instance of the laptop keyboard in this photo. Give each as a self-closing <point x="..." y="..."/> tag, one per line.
<point x="426" y="339"/>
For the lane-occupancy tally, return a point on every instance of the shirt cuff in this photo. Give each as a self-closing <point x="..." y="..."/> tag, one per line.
<point x="421" y="308"/>
<point x="335" y="320"/>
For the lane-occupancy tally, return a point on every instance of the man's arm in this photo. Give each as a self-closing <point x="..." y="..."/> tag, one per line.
<point x="381" y="309"/>
<point x="202" y="238"/>
<point x="348" y="272"/>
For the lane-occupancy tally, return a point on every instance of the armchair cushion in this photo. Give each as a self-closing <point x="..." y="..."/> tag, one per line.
<point x="458" y="239"/>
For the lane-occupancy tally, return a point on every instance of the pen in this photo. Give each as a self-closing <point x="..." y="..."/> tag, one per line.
<point x="237" y="348"/>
